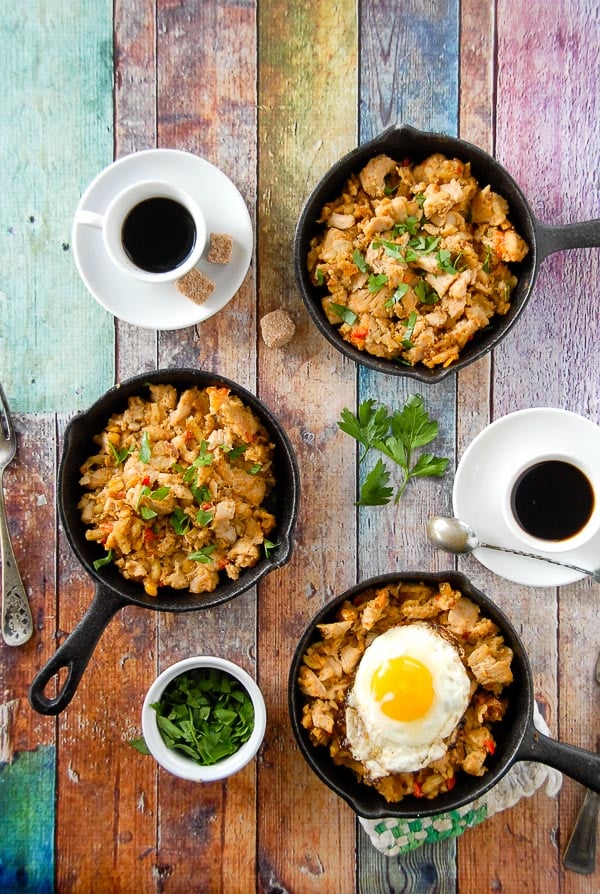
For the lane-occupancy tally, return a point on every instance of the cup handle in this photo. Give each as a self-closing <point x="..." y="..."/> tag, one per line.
<point x="90" y="218"/>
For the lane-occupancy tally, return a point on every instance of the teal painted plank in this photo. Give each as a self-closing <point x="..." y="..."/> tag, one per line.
<point x="408" y="75"/>
<point x="56" y="134"/>
<point x="27" y="791"/>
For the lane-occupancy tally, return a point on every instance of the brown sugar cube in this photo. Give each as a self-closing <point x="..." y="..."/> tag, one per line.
<point x="195" y="286"/>
<point x="221" y="246"/>
<point x="277" y="328"/>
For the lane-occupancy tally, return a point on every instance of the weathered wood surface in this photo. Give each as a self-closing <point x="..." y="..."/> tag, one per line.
<point x="55" y="81"/>
<point x="273" y="92"/>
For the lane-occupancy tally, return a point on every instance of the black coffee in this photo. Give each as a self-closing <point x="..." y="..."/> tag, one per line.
<point x="552" y="500"/>
<point x="158" y="234"/>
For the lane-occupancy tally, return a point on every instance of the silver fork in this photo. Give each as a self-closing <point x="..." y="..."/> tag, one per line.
<point x="17" y="623"/>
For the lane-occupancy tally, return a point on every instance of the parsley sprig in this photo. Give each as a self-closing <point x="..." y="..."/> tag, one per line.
<point x="397" y="436"/>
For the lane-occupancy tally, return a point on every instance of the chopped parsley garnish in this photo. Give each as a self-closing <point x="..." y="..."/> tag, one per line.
<point x="392" y="249"/>
<point x="105" y="560"/>
<point x="268" y="546"/>
<point x="180" y="522"/>
<point x="347" y="315"/>
<point x="376" y="282"/>
<point x="203" y="517"/>
<point x="425" y="293"/>
<point x="145" y="453"/>
<point x="160" y="493"/>
<point x="120" y="455"/>
<point x="410" y="328"/>
<point x="201" y="494"/>
<point x="398" y="295"/>
<point x="360" y="262"/>
<point x="410" y="225"/>
<point x="205" y="457"/>
<point x="235" y="452"/>
<point x="423" y="245"/>
<point x="444" y="263"/>
<point x="203" y="555"/>
<point x="486" y="263"/>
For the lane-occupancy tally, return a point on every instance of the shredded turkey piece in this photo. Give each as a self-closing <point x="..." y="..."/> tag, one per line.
<point x="414" y="259"/>
<point x="330" y="663"/>
<point x="175" y="492"/>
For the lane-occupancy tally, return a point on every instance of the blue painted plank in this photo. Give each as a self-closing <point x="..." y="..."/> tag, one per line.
<point x="27" y="797"/>
<point x="56" y="134"/>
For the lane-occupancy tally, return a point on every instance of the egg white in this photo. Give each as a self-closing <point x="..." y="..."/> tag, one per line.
<point x="384" y="745"/>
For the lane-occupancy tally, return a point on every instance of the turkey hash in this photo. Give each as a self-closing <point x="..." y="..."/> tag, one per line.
<point x="175" y="492"/>
<point x="414" y="259"/>
<point x="404" y="687"/>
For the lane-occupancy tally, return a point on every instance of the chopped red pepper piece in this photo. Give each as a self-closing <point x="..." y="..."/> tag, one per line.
<point x="417" y="789"/>
<point x="490" y="746"/>
<point x="359" y="334"/>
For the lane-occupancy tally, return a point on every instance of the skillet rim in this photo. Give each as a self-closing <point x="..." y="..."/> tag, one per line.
<point x="401" y="140"/>
<point x="518" y="720"/>
<point x="109" y="577"/>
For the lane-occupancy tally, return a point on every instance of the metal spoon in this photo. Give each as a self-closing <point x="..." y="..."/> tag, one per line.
<point x="456" y="536"/>
<point x="17" y="623"/>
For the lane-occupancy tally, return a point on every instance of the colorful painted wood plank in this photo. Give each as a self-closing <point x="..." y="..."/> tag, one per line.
<point x="536" y="50"/>
<point x="103" y="839"/>
<point x="476" y="119"/>
<point x="135" y="87"/>
<point x="307" y="120"/>
<point x="27" y="742"/>
<point x="208" y="107"/>
<point x="409" y="64"/>
<point x="57" y="111"/>
<point x="174" y="86"/>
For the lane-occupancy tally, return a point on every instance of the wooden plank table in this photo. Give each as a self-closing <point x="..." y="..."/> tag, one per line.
<point x="274" y="92"/>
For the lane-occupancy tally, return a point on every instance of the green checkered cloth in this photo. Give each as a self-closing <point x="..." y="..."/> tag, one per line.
<point x="394" y="836"/>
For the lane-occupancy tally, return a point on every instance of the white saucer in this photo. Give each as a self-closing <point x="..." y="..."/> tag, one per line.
<point x="477" y="493"/>
<point x="160" y="305"/>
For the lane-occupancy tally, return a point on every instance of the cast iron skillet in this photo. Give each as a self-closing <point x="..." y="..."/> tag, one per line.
<point x="517" y="739"/>
<point x="113" y="591"/>
<point x="407" y="142"/>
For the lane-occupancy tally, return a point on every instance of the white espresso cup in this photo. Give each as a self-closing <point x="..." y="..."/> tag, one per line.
<point x="152" y="230"/>
<point x="551" y="503"/>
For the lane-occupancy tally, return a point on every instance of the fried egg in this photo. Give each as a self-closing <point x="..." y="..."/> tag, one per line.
<point x="410" y="691"/>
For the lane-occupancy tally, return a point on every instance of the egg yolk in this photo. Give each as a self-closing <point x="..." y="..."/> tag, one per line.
<point x="403" y="687"/>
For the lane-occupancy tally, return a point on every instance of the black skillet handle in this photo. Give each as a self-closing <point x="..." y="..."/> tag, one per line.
<point x="75" y="653"/>
<point x="577" y="763"/>
<point x="560" y="237"/>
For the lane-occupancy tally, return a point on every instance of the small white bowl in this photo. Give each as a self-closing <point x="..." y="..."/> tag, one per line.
<point x="176" y="762"/>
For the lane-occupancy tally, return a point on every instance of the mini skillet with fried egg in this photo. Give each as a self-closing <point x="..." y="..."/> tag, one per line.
<point x="516" y="736"/>
<point x="407" y="142"/>
<point x="113" y="591"/>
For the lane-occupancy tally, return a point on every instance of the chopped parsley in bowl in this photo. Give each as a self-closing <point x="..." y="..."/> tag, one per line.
<point x="203" y="718"/>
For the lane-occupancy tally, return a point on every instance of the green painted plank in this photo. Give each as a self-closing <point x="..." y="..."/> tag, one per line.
<point x="27" y="792"/>
<point x="56" y="134"/>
